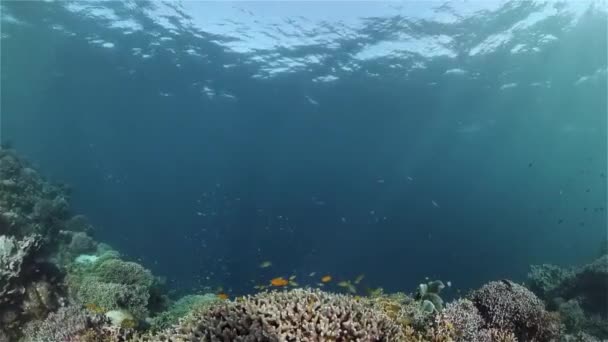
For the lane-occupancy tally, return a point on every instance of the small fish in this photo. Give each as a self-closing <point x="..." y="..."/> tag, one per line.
<point x="293" y="284"/>
<point x="320" y="284"/>
<point x="265" y="264"/>
<point x="222" y="296"/>
<point x="291" y="278"/>
<point x="348" y="285"/>
<point x="326" y="279"/>
<point x="560" y="221"/>
<point x="435" y="204"/>
<point x="449" y="283"/>
<point x="279" y="282"/>
<point x="410" y="178"/>
<point x="312" y="274"/>
<point x="530" y="164"/>
<point x="359" y="278"/>
<point x="380" y="181"/>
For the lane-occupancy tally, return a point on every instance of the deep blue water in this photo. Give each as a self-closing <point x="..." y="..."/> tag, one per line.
<point x="400" y="140"/>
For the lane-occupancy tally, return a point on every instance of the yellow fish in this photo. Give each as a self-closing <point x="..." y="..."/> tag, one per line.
<point x="326" y="279"/>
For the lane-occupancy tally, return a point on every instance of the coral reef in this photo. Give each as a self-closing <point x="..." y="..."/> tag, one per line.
<point x="58" y="284"/>
<point x="579" y="294"/>
<point x="511" y="307"/>
<point x="182" y="307"/>
<point x="40" y="247"/>
<point x="296" y="315"/>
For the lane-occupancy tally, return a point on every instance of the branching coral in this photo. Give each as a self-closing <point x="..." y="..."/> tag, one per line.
<point x="510" y="307"/>
<point x="296" y="315"/>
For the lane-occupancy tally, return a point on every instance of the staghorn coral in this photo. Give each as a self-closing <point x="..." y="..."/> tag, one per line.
<point x="73" y="323"/>
<point x="58" y="326"/>
<point x="296" y="315"/>
<point x="404" y="310"/>
<point x="462" y="319"/>
<point x="510" y="307"/>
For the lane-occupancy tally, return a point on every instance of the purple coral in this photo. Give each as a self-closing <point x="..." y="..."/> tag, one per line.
<point x="507" y="306"/>
<point x="296" y="315"/>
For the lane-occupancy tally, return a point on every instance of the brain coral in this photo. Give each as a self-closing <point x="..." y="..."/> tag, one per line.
<point x="296" y="315"/>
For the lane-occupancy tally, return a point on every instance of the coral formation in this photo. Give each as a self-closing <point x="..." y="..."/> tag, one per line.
<point x="182" y="307"/>
<point x="296" y="315"/>
<point x="39" y="246"/>
<point x="579" y="294"/>
<point x="511" y="307"/>
<point x="58" y="284"/>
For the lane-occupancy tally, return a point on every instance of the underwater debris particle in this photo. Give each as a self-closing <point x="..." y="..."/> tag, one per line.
<point x="435" y="204"/>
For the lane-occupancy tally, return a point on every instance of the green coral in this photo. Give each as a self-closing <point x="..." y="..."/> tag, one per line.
<point x="182" y="307"/>
<point x="113" y="296"/>
<point x="110" y="283"/>
<point x="124" y="272"/>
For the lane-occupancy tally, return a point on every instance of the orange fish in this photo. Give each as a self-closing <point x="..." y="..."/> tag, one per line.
<point x="326" y="279"/>
<point x="222" y="296"/>
<point x="279" y="281"/>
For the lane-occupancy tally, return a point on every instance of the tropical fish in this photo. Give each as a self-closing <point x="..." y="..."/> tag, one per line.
<point x="348" y="285"/>
<point x="222" y="296"/>
<point x="265" y="264"/>
<point x="291" y="278"/>
<point x="326" y="279"/>
<point x="279" y="282"/>
<point x="312" y="274"/>
<point x="359" y="278"/>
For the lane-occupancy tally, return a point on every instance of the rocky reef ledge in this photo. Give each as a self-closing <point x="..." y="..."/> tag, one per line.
<point x="57" y="283"/>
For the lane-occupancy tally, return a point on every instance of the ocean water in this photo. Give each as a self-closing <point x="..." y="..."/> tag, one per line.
<point x="461" y="141"/>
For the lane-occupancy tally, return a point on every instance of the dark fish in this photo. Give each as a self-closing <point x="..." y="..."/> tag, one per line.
<point x="585" y="209"/>
<point x="530" y="164"/>
<point x="587" y="190"/>
<point x="560" y="221"/>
